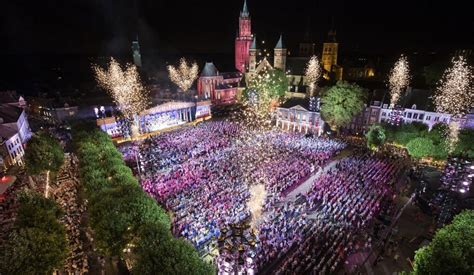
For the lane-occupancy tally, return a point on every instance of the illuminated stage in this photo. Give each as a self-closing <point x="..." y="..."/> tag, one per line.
<point x="161" y="117"/>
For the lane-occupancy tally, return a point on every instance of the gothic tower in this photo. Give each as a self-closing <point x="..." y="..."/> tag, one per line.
<point x="243" y="40"/>
<point x="137" y="57"/>
<point x="329" y="56"/>
<point x="279" y="58"/>
<point x="253" y="51"/>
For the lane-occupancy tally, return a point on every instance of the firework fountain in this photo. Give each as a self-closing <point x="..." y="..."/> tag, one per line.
<point x="183" y="75"/>
<point x="455" y="95"/>
<point x="126" y="89"/>
<point x="398" y="80"/>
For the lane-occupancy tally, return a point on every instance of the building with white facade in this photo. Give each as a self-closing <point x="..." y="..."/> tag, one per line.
<point x="415" y="106"/>
<point x="14" y="133"/>
<point x="295" y="115"/>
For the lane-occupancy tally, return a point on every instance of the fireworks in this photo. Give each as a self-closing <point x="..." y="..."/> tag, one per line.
<point x="255" y="204"/>
<point x="124" y="86"/>
<point x="313" y="73"/>
<point x="264" y="93"/>
<point x="455" y="94"/>
<point x="184" y="75"/>
<point x="453" y="135"/>
<point x="399" y="79"/>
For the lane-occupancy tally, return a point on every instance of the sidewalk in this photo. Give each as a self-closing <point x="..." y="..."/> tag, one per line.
<point x="306" y="186"/>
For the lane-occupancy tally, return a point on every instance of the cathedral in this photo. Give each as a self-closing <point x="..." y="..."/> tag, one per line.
<point x="250" y="60"/>
<point x="223" y="88"/>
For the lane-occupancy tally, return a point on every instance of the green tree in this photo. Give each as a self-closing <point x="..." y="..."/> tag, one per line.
<point x="37" y="243"/>
<point x="43" y="154"/>
<point x="420" y="147"/>
<point x="375" y="136"/>
<point x="156" y="252"/>
<point x="465" y="145"/>
<point x="117" y="213"/>
<point x="341" y="102"/>
<point x="407" y="132"/>
<point x="450" y="251"/>
<point x="271" y="83"/>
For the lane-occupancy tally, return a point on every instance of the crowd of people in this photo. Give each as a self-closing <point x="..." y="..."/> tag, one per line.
<point x="341" y="203"/>
<point x="65" y="193"/>
<point x="203" y="173"/>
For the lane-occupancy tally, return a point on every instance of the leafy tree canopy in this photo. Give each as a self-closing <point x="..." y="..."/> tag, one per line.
<point x="43" y="153"/>
<point x="375" y="136"/>
<point x="116" y="214"/>
<point x="157" y="252"/>
<point x="269" y="84"/>
<point x="465" y="145"/>
<point x="37" y="243"/>
<point x="450" y="251"/>
<point x="420" y="147"/>
<point x="341" y="102"/>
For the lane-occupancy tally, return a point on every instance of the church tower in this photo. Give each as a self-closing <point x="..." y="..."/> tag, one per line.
<point x="279" y="58"/>
<point x="243" y="40"/>
<point x="329" y="56"/>
<point x="137" y="57"/>
<point x="253" y="51"/>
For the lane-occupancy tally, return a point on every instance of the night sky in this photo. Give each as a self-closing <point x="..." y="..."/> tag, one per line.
<point x="106" y="27"/>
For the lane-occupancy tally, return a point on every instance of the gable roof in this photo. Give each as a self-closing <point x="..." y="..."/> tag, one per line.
<point x="296" y="103"/>
<point x="10" y="113"/>
<point x="262" y="65"/>
<point x="6" y="132"/>
<point x="209" y="70"/>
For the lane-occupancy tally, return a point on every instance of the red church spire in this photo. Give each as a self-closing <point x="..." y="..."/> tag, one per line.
<point x="243" y="40"/>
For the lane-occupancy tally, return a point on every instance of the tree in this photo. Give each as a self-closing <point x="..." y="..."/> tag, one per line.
<point x="156" y="252"/>
<point x="341" y="102"/>
<point x="420" y="147"/>
<point x="375" y="136"/>
<point x="117" y="213"/>
<point x="263" y="93"/>
<point x="407" y="132"/>
<point x="37" y="243"/>
<point x="269" y="84"/>
<point x="450" y="251"/>
<point x="43" y="154"/>
<point x="465" y="146"/>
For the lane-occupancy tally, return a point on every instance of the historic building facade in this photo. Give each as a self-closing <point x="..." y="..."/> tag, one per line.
<point x="220" y="88"/>
<point x="243" y="40"/>
<point x="250" y="60"/>
<point x="14" y="133"/>
<point x="296" y="116"/>
<point x="329" y="57"/>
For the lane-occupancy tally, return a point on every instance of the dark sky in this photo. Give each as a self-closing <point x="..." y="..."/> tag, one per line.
<point x="209" y="26"/>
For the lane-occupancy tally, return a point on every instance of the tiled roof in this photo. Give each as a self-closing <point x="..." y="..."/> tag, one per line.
<point x="209" y="70"/>
<point x="292" y="102"/>
<point x="9" y="113"/>
<point x="6" y="132"/>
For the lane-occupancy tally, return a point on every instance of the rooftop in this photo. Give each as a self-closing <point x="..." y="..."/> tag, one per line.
<point x="10" y="113"/>
<point x="209" y="70"/>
